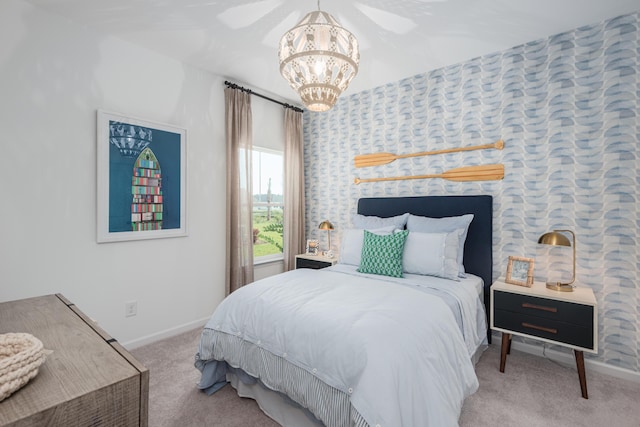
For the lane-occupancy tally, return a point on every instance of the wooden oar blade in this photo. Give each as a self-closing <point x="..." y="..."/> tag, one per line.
<point x="377" y="159"/>
<point x="475" y="173"/>
<point x="374" y="159"/>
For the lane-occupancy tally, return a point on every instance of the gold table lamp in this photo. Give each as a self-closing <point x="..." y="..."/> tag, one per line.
<point x="556" y="238"/>
<point x="326" y="225"/>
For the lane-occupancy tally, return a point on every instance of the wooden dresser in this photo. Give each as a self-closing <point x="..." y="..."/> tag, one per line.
<point x="88" y="380"/>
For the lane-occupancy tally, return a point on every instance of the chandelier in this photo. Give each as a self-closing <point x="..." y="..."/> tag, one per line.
<point x="319" y="58"/>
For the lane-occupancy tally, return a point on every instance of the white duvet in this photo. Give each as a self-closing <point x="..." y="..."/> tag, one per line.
<point x="396" y="349"/>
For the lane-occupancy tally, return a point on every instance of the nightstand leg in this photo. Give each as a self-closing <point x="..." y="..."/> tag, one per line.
<point x="504" y="350"/>
<point x="581" y="374"/>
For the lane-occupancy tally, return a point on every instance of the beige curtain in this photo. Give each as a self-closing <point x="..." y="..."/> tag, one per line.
<point x="294" y="227"/>
<point x="239" y="256"/>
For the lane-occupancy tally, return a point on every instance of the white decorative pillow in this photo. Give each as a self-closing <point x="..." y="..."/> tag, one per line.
<point x="370" y="223"/>
<point x="351" y="245"/>
<point x="423" y="224"/>
<point x="432" y="254"/>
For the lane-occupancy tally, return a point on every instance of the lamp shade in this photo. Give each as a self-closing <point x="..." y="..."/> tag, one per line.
<point x="318" y="57"/>
<point x="554" y="238"/>
<point x="325" y="225"/>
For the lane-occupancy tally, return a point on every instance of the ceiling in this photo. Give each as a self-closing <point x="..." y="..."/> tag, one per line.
<point x="238" y="39"/>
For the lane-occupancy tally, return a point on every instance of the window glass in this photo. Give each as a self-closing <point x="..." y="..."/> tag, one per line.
<point x="268" y="204"/>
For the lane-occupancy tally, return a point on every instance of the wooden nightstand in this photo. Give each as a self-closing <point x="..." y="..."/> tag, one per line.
<point x="568" y="319"/>
<point x="315" y="261"/>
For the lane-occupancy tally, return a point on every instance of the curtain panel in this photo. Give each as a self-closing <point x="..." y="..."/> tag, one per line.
<point x="239" y="224"/>
<point x="294" y="203"/>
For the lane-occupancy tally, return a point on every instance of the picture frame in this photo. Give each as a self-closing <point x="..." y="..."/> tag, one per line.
<point x="313" y="247"/>
<point x="520" y="271"/>
<point x="141" y="179"/>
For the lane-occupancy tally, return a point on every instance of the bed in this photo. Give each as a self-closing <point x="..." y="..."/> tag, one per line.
<point x="339" y="347"/>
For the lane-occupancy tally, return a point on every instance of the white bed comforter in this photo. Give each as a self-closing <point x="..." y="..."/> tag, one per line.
<point x="396" y="351"/>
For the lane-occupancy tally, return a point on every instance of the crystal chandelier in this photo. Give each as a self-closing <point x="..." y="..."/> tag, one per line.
<point x="319" y="58"/>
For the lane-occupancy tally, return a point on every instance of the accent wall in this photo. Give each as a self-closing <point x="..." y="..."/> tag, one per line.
<point x="567" y="109"/>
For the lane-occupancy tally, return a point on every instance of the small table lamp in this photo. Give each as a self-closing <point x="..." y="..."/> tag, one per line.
<point x="555" y="238"/>
<point x="326" y="225"/>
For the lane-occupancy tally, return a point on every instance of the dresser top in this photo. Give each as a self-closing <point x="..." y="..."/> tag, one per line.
<point x="580" y="294"/>
<point x="81" y="360"/>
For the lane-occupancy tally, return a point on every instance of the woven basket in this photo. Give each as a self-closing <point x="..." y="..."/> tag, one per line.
<point x="20" y="357"/>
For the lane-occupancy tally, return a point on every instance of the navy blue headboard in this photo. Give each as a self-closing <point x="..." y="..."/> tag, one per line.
<point x="478" y="248"/>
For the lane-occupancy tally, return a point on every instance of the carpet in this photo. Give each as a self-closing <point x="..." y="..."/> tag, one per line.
<point x="533" y="391"/>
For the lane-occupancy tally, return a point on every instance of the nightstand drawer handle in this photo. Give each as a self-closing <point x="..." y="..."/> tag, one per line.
<point x="540" y="328"/>
<point x="539" y="307"/>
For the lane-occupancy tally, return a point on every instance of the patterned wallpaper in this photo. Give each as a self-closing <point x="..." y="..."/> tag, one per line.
<point x="567" y="108"/>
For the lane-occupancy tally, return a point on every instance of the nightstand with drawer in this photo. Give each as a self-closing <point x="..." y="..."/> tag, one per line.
<point x="315" y="261"/>
<point x="569" y="319"/>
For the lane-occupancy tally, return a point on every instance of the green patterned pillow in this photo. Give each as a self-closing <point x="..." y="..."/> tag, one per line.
<point x="382" y="254"/>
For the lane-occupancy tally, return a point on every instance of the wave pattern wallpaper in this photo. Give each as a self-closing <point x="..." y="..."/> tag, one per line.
<point x="567" y="109"/>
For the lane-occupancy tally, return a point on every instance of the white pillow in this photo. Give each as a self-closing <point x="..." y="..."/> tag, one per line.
<point x="373" y="222"/>
<point x="351" y="245"/>
<point x="432" y="254"/>
<point x="423" y="224"/>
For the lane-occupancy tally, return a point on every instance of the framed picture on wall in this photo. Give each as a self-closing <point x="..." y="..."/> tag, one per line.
<point x="520" y="271"/>
<point x="141" y="176"/>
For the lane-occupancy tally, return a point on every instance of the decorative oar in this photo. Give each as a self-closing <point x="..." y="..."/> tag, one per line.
<point x="468" y="173"/>
<point x="377" y="159"/>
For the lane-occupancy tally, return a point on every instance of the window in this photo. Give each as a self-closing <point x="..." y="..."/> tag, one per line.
<point x="268" y="204"/>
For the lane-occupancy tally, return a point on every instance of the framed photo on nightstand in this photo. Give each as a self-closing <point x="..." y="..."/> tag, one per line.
<point x="313" y="247"/>
<point x="520" y="271"/>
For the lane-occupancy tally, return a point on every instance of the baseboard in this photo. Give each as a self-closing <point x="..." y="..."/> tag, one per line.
<point x="568" y="359"/>
<point x="167" y="333"/>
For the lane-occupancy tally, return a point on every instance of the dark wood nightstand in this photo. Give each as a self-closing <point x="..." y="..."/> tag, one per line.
<point x="569" y="319"/>
<point x="315" y="261"/>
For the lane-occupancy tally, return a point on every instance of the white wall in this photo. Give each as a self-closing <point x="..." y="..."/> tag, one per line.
<point x="54" y="75"/>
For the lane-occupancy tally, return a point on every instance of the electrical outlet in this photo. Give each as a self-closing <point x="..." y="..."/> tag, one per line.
<point x="130" y="308"/>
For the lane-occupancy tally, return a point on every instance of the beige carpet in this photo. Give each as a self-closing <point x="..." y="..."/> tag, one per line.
<point x="533" y="391"/>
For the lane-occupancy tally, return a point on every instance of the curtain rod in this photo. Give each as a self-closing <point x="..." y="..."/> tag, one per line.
<point x="249" y="91"/>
